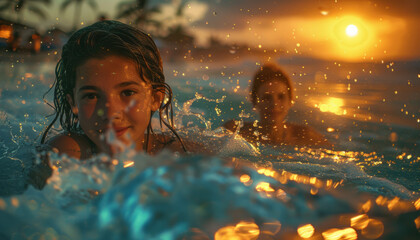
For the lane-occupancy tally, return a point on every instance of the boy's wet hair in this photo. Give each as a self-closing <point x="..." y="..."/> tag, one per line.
<point x="269" y="73"/>
<point x="99" y="40"/>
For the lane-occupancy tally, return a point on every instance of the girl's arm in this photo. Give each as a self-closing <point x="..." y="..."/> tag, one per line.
<point x="73" y="145"/>
<point x="65" y="144"/>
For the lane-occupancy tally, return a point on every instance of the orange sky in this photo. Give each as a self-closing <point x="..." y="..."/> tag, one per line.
<point x="388" y="29"/>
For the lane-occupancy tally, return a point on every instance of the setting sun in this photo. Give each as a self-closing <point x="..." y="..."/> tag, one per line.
<point x="351" y="30"/>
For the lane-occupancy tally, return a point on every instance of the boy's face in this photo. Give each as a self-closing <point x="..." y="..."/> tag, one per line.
<point x="110" y="93"/>
<point x="273" y="102"/>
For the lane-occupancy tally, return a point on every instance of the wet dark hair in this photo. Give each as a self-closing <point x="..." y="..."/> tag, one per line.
<point x="269" y="73"/>
<point x="99" y="40"/>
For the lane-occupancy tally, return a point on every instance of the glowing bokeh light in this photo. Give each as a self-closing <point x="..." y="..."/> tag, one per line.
<point x="306" y="231"/>
<point x="360" y="221"/>
<point x="128" y="164"/>
<point x="374" y="229"/>
<point x="271" y="228"/>
<point x="352" y="30"/>
<point x="242" y="230"/>
<point x="417" y="222"/>
<point x="333" y="105"/>
<point x="336" y="234"/>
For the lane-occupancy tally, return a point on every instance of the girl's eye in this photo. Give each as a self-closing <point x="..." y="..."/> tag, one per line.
<point x="281" y="96"/>
<point x="266" y="97"/>
<point x="127" y="93"/>
<point x="90" y="96"/>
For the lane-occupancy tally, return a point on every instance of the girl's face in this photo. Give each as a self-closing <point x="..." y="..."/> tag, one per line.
<point x="273" y="102"/>
<point x="110" y="93"/>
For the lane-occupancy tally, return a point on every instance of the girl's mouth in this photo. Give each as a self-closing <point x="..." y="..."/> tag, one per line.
<point x="119" y="131"/>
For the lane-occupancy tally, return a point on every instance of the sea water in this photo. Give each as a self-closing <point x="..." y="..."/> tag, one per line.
<point x="366" y="187"/>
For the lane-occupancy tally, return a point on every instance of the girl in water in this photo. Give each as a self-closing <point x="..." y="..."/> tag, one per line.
<point x="271" y="96"/>
<point x="109" y="81"/>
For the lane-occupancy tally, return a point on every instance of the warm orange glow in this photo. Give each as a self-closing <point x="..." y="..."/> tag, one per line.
<point x="393" y="203"/>
<point x="351" y="30"/>
<point x="2" y="204"/>
<point x="245" y="178"/>
<point x="15" y="202"/>
<point x="306" y="231"/>
<point x="322" y="37"/>
<point x="381" y="201"/>
<point x="249" y="229"/>
<point x="281" y="194"/>
<point x="242" y="230"/>
<point x="336" y="234"/>
<point x="264" y="186"/>
<point x="28" y="75"/>
<point x="128" y="164"/>
<point x="5" y="31"/>
<point x="359" y="222"/>
<point x="266" y="172"/>
<point x="374" y="229"/>
<point x="417" y="222"/>
<point x="350" y="36"/>
<point x="271" y="228"/>
<point x="417" y="204"/>
<point x="332" y="105"/>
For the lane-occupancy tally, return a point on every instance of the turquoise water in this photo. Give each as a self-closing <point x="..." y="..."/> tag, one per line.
<point x="369" y="110"/>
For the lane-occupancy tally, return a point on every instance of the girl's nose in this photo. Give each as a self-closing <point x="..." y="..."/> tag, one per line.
<point x="112" y="110"/>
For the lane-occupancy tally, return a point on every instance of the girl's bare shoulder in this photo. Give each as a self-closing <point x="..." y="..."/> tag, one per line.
<point x="72" y="144"/>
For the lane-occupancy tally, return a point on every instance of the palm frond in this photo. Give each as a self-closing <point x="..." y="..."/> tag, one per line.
<point x="93" y="4"/>
<point x="46" y="2"/>
<point x="65" y="4"/>
<point x="123" y="4"/>
<point x="38" y="11"/>
<point x="155" y="9"/>
<point x="127" y="11"/>
<point x="141" y="4"/>
<point x="6" y="5"/>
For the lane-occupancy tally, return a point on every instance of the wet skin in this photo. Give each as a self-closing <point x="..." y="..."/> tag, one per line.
<point x="111" y="94"/>
<point x="273" y="103"/>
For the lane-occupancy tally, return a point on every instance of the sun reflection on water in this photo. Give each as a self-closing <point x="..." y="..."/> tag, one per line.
<point x="332" y="105"/>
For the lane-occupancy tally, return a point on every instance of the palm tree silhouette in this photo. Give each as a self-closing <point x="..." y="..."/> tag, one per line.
<point x="177" y="33"/>
<point x="78" y="8"/>
<point x="137" y="9"/>
<point x="19" y="5"/>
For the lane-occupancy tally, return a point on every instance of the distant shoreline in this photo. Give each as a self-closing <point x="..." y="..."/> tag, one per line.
<point x="26" y="56"/>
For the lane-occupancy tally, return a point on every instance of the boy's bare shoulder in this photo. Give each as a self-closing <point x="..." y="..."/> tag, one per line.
<point x="231" y="125"/>
<point x="71" y="144"/>
<point x="308" y="135"/>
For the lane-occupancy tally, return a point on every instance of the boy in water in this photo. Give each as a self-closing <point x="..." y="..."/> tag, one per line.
<point x="271" y="96"/>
